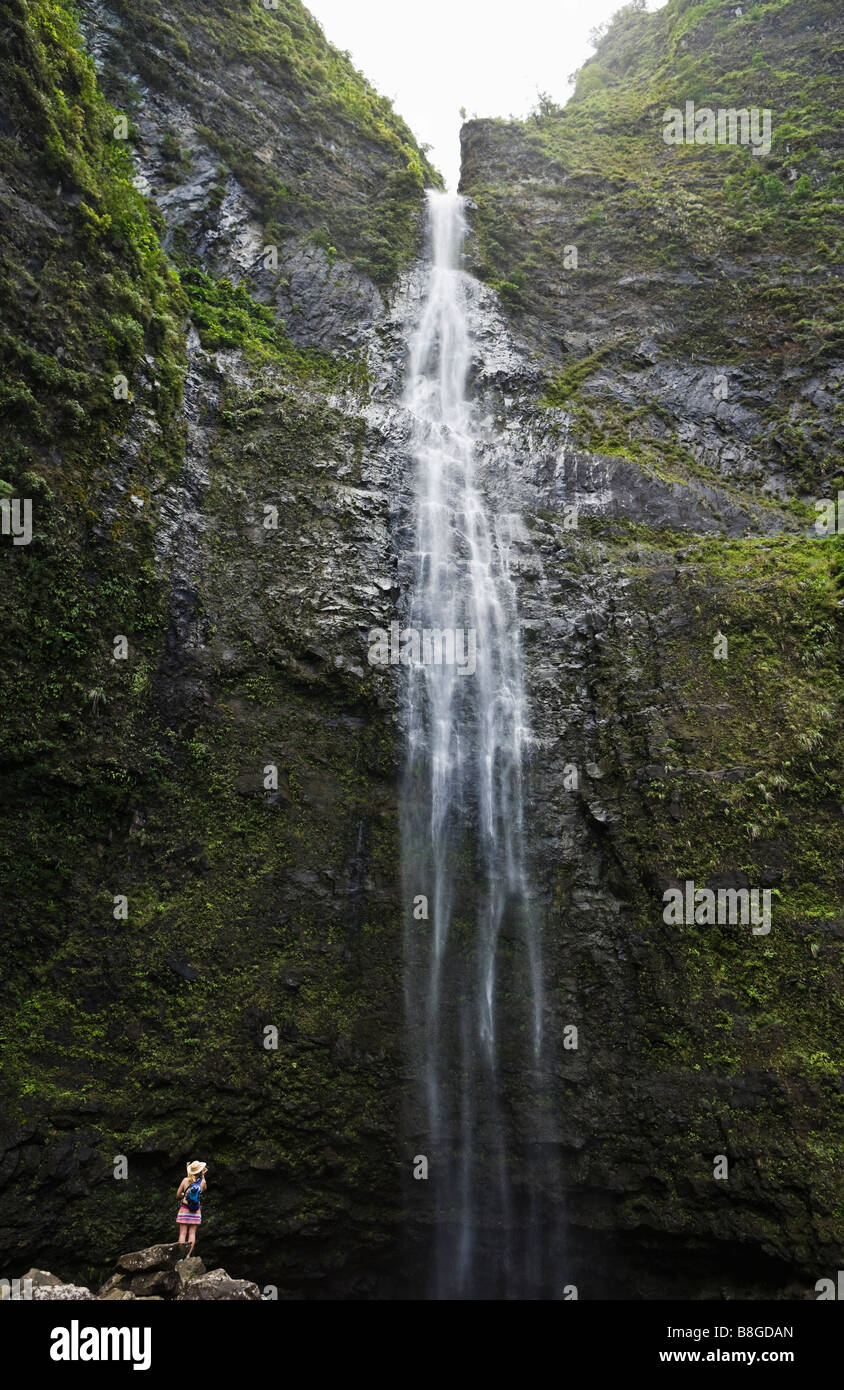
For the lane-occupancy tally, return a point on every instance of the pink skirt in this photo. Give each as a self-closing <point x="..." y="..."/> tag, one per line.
<point x="188" y="1218"/>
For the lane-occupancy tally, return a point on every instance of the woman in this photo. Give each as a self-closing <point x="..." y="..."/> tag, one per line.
<point x="189" y="1220"/>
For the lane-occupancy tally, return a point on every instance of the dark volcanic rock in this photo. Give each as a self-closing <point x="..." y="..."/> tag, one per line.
<point x="218" y="1285"/>
<point x="155" y="1257"/>
<point x="162" y="1282"/>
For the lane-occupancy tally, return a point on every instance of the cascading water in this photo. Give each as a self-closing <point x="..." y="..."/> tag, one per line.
<point x="473" y="970"/>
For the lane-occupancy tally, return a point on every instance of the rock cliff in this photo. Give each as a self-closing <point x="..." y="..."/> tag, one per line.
<point x="200" y="847"/>
<point x="678" y="307"/>
<point x="204" y="485"/>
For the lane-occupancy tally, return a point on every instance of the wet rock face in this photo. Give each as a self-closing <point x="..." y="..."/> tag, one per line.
<point x="250" y="698"/>
<point x="621" y="577"/>
<point x="259" y="175"/>
<point x="632" y="559"/>
<point x="327" y="304"/>
<point x="635" y="750"/>
<point x="667" y="302"/>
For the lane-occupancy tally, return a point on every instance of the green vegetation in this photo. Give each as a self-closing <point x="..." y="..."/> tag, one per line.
<point x="144" y="777"/>
<point x="90" y="264"/>
<point x="712" y="771"/>
<point x="226" y="316"/>
<point x="739" y="251"/>
<point x="365" y="200"/>
<point x="746" y="759"/>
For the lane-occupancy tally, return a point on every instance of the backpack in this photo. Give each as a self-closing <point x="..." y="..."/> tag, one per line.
<point x="193" y="1195"/>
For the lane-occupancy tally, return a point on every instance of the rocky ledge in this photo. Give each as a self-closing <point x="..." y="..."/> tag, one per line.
<point x="161" y="1273"/>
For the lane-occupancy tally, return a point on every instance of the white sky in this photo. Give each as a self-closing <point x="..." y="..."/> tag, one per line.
<point x="491" y="56"/>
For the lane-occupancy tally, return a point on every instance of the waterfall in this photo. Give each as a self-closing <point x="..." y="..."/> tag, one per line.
<point x="472" y="953"/>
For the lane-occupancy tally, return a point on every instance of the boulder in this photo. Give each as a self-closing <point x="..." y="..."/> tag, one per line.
<point x="154" y="1257"/>
<point x="154" y="1275"/>
<point x="219" y="1285"/>
<point x="42" y="1279"/>
<point x="113" y="1284"/>
<point x="47" y="1292"/>
<point x="189" y="1269"/>
<point x="156" y="1281"/>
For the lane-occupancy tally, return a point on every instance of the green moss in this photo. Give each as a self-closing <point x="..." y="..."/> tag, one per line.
<point x="565" y="385"/>
<point x="748" y="755"/>
<point x="227" y="316"/>
<point x="738" y="251"/>
<point x="371" y="216"/>
<point x="60" y="386"/>
<point x="119" y="784"/>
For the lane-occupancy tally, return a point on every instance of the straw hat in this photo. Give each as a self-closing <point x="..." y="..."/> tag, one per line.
<point x="195" y="1168"/>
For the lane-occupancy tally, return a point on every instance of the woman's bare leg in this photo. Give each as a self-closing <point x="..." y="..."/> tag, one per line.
<point x="183" y="1230"/>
